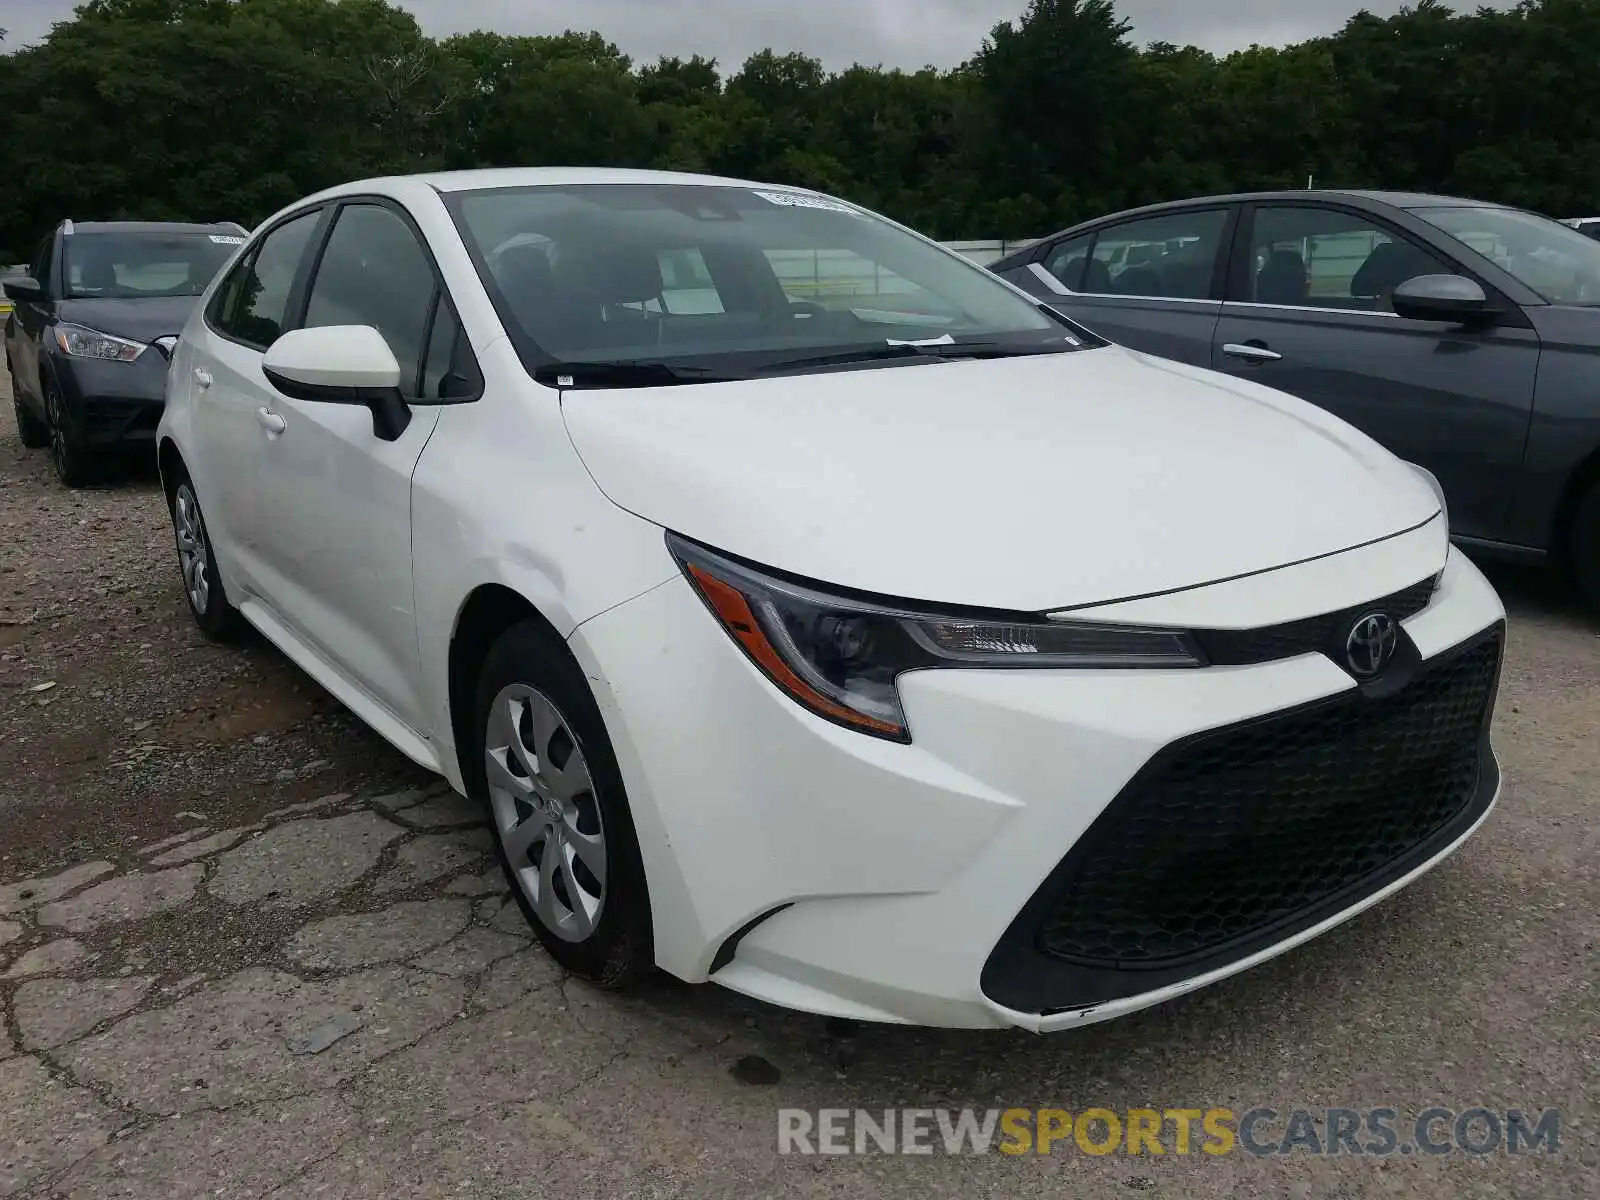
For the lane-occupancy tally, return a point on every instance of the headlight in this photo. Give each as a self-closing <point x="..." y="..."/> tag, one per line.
<point x="840" y="656"/>
<point x="1438" y="489"/>
<point x="80" y="342"/>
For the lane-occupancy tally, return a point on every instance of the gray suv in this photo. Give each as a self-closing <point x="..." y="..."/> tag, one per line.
<point x="95" y="317"/>
<point x="1463" y="336"/>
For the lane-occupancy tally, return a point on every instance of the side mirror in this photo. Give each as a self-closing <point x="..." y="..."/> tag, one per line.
<point x="22" y="288"/>
<point x="1441" y="298"/>
<point x="341" y="364"/>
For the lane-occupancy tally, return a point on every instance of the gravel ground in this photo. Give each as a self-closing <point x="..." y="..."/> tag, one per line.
<point x="241" y="955"/>
<point x="141" y="718"/>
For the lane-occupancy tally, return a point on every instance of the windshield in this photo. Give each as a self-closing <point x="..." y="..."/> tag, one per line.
<point x="128" y="266"/>
<point x="1553" y="259"/>
<point x="729" y="282"/>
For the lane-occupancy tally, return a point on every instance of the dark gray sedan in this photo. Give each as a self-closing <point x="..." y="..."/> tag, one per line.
<point x="1463" y="336"/>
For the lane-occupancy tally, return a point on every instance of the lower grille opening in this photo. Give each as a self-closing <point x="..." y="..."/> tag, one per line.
<point x="1238" y="838"/>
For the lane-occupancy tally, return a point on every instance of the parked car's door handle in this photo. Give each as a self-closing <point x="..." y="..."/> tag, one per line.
<point x="1251" y="352"/>
<point x="271" y="421"/>
<point x="202" y="377"/>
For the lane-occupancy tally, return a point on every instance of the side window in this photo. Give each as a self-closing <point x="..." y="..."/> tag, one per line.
<point x="687" y="288"/>
<point x="523" y="270"/>
<point x="843" y="280"/>
<point x="40" y="267"/>
<point x="1068" y="260"/>
<point x="253" y="303"/>
<point x="1324" y="258"/>
<point x="225" y="300"/>
<point x="450" y="370"/>
<point x="1170" y="257"/>
<point x="375" y="272"/>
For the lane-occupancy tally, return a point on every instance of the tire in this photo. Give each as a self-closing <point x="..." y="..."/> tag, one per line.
<point x="197" y="566"/>
<point x="75" y="466"/>
<point x="1584" y="547"/>
<point x="31" y="431"/>
<point x="534" y="711"/>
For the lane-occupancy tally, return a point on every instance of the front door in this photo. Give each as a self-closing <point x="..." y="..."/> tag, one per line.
<point x="1312" y="317"/>
<point x="337" y="498"/>
<point x="31" y="319"/>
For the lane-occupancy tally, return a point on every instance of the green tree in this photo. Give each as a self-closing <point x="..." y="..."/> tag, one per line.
<point x="683" y="103"/>
<point x="232" y="108"/>
<point x="1056" y="84"/>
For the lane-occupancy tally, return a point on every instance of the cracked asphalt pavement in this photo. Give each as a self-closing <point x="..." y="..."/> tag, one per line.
<point x="246" y="950"/>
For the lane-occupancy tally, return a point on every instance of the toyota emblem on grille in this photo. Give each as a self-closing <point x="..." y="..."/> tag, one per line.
<point x="1371" y="644"/>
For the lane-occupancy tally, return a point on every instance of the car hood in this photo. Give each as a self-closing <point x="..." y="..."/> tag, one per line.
<point x="1028" y="483"/>
<point x="143" y="319"/>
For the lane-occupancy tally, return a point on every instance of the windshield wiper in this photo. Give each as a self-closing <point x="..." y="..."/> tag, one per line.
<point x="914" y="351"/>
<point x="648" y="372"/>
<point x="640" y="373"/>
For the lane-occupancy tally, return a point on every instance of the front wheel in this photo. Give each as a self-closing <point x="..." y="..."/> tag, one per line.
<point x="1584" y="548"/>
<point x="75" y="466"/>
<point x="561" y="818"/>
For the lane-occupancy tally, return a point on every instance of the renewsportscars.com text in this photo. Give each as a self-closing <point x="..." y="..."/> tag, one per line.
<point x="1261" y="1132"/>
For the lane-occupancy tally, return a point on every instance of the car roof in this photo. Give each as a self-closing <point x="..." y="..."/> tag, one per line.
<point x="460" y="181"/>
<point x="76" y="227"/>
<point x="1416" y="199"/>
<point x="1359" y="197"/>
<point x="1362" y="198"/>
<point x="509" y="177"/>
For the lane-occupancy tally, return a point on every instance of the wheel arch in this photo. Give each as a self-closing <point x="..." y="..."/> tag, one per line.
<point x="170" y="465"/>
<point x="484" y="615"/>
<point x="1583" y="477"/>
<point x="48" y="376"/>
<point x="48" y="370"/>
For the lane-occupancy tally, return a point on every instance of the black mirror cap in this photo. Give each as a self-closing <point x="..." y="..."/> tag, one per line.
<point x="391" y="415"/>
<point x="22" y="287"/>
<point x="1441" y="298"/>
<point x="320" y="393"/>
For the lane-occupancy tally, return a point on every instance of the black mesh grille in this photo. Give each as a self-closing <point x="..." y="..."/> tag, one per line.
<point x="1238" y="832"/>
<point x="1241" y="647"/>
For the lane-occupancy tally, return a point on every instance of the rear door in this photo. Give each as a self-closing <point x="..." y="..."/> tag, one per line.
<point x="1308" y="312"/>
<point x="1151" y="283"/>
<point x="248" y="312"/>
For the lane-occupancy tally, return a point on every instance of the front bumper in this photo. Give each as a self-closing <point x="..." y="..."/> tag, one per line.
<point x="113" y="404"/>
<point x="815" y="868"/>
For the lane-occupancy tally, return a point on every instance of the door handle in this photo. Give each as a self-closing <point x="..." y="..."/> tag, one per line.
<point x="1251" y="352"/>
<point x="202" y="377"/>
<point x="271" y="421"/>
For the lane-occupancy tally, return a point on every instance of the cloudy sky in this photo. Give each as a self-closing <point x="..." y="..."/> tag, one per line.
<point x="897" y="33"/>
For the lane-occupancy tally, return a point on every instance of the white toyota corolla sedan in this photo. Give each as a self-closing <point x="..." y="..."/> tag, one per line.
<point x="816" y="613"/>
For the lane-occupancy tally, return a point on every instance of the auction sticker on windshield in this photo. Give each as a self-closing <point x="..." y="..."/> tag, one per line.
<point x="795" y="200"/>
